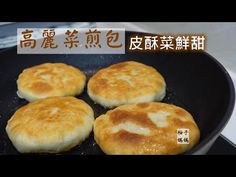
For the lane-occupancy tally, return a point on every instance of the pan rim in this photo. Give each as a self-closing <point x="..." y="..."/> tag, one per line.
<point x="227" y="115"/>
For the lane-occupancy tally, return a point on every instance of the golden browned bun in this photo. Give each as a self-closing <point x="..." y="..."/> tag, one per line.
<point x="144" y="128"/>
<point x="49" y="80"/>
<point x="126" y="82"/>
<point x="50" y="125"/>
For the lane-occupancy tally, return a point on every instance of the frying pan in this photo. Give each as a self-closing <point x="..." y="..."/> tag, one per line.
<point x="195" y="81"/>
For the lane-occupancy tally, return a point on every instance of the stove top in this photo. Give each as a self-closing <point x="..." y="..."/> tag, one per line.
<point x="222" y="147"/>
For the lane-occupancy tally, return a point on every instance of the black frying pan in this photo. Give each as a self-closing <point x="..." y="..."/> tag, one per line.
<point x="195" y="81"/>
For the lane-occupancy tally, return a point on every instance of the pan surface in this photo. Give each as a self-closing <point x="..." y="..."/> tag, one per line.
<point x="195" y="81"/>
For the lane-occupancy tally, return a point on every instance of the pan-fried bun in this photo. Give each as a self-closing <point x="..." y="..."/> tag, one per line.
<point x="126" y="82"/>
<point x="49" y="80"/>
<point x="50" y="125"/>
<point x="144" y="128"/>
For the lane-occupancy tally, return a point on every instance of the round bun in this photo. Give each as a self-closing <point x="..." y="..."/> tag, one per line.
<point x="126" y="82"/>
<point x="145" y="128"/>
<point x="50" y="125"/>
<point x="49" y="80"/>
